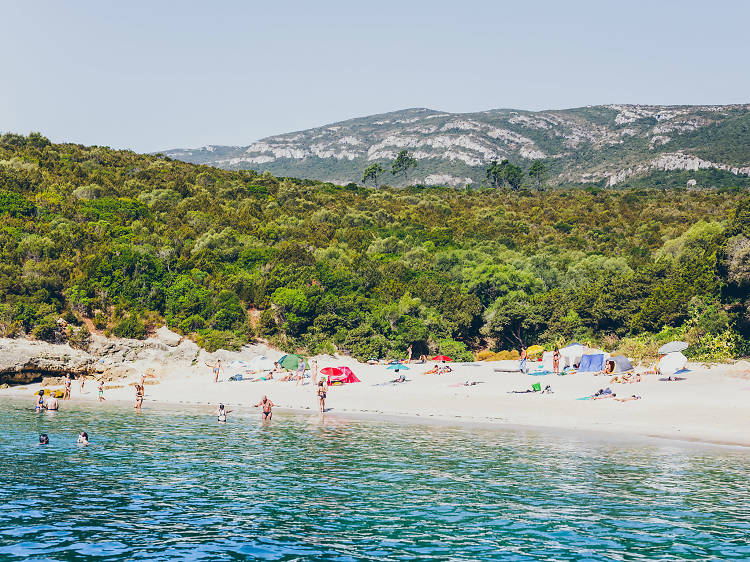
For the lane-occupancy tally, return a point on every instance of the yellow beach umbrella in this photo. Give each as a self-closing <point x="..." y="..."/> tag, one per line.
<point x="534" y="350"/>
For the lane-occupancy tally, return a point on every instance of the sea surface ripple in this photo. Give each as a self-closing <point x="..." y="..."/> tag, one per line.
<point x="173" y="484"/>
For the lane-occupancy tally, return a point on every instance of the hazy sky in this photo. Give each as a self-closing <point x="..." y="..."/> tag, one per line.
<point x="156" y="75"/>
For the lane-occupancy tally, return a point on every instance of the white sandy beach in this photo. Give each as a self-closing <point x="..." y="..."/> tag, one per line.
<point x="711" y="404"/>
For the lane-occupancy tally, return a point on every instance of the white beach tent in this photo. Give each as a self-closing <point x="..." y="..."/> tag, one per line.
<point x="670" y="363"/>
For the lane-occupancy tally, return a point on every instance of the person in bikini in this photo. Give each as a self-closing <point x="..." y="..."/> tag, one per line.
<point x="556" y="360"/>
<point x="101" y="391"/>
<point x="221" y="415"/>
<point x="266" y="404"/>
<point x="322" y="392"/>
<point x="68" y="382"/>
<point x="39" y="406"/>
<point x="216" y="369"/>
<point x="139" y="393"/>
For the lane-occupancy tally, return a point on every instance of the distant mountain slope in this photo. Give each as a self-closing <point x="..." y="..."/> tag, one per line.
<point x="607" y="144"/>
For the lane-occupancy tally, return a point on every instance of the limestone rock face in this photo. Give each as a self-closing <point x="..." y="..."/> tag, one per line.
<point x="168" y="337"/>
<point x="24" y="361"/>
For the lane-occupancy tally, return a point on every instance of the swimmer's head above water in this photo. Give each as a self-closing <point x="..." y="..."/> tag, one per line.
<point x="43" y="439"/>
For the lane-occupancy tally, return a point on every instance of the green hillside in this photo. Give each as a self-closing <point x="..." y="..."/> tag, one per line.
<point x="131" y="241"/>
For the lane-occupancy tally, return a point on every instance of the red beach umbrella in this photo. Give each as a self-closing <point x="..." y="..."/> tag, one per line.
<point x="441" y="358"/>
<point x="331" y="371"/>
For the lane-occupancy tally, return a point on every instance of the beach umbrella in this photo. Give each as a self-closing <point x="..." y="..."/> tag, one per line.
<point x="291" y="362"/>
<point x="441" y="358"/>
<point x="335" y="371"/>
<point x="534" y="350"/>
<point x="673" y="347"/>
<point x="397" y="367"/>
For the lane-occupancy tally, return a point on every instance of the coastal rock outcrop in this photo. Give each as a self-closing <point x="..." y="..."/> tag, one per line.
<point x="24" y="361"/>
<point x="168" y="337"/>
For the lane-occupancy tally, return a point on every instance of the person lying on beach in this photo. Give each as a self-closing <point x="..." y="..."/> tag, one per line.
<point x="628" y="398"/>
<point x="276" y="367"/>
<point x="222" y="414"/>
<point x="266" y="404"/>
<point x="267" y="377"/>
<point x="547" y="390"/>
<point x="434" y="371"/>
<point x="289" y="376"/>
<point x="83" y="438"/>
<point x="621" y="379"/>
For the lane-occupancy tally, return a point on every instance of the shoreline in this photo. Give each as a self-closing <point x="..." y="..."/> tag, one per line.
<point x="597" y="433"/>
<point x="709" y="404"/>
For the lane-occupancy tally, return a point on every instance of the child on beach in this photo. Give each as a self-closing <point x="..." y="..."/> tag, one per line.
<point x="101" y="391"/>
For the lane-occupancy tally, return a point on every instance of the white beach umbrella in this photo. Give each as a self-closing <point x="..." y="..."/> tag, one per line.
<point x="673" y="347"/>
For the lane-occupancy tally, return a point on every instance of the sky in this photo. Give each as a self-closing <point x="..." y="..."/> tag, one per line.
<point x="157" y="75"/>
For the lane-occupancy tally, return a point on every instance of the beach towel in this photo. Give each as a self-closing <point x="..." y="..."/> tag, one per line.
<point x="540" y="373"/>
<point x="584" y="398"/>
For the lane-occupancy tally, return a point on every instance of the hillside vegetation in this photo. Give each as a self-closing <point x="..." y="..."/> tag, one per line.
<point x="131" y="241"/>
<point x="608" y="145"/>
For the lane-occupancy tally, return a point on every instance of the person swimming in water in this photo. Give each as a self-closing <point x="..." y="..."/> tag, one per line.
<point x="83" y="438"/>
<point x="266" y="403"/>
<point x="43" y="439"/>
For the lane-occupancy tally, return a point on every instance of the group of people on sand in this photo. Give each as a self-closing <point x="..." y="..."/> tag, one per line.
<point x="266" y="404"/>
<point x="439" y="370"/>
<point x="278" y="373"/>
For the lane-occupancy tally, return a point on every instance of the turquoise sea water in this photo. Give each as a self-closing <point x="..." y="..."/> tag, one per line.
<point x="171" y="484"/>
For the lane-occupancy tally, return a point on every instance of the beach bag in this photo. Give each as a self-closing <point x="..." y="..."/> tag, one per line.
<point x="536" y="387"/>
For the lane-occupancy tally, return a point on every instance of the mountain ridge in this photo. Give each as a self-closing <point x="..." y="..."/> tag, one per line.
<point x="603" y="144"/>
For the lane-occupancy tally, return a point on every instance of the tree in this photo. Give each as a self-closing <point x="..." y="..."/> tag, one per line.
<point x="403" y="163"/>
<point x="495" y="173"/>
<point x="538" y="171"/>
<point x="513" y="175"/>
<point x="371" y="173"/>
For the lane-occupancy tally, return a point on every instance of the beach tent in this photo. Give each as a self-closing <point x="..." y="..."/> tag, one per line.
<point x="347" y="376"/>
<point x="591" y="363"/>
<point x="291" y="362"/>
<point x="622" y="364"/>
<point x="570" y="355"/>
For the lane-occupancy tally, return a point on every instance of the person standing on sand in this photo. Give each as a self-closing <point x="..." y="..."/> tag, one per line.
<point x="215" y="370"/>
<point x="523" y="360"/>
<point x="83" y="381"/>
<point x="408" y="354"/>
<point x="315" y="371"/>
<point x="322" y="392"/>
<point x="266" y="414"/>
<point x="101" y="391"/>
<point x="556" y="360"/>
<point x="68" y="382"/>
